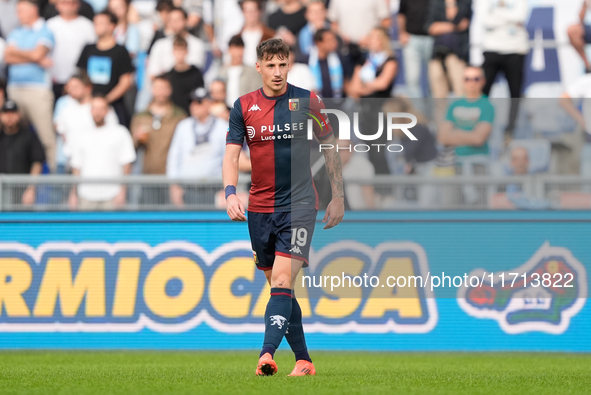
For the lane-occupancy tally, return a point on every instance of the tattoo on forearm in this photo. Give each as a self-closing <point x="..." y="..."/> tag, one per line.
<point x="335" y="170"/>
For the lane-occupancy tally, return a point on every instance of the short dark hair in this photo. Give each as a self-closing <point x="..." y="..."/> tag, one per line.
<point x="164" y="5"/>
<point x="179" y="9"/>
<point x="163" y="77"/>
<point x="180" y="42"/>
<point x="257" y="2"/>
<point x="319" y="35"/>
<point x="112" y="17"/>
<point x="34" y="2"/>
<point x="82" y="77"/>
<point x="101" y="96"/>
<point x="236" y="41"/>
<point x="272" y="47"/>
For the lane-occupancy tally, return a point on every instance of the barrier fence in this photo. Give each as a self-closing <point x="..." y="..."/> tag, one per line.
<point x="145" y="193"/>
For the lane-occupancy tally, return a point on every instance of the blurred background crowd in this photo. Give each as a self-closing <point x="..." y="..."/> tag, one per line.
<point x="106" y="88"/>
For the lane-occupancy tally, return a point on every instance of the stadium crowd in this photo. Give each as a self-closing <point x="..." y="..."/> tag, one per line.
<point x="103" y="88"/>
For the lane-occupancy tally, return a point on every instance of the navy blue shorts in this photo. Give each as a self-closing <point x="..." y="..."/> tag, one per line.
<point x="287" y="234"/>
<point x="587" y="34"/>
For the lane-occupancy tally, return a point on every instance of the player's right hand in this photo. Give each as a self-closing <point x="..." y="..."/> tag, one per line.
<point x="235" y="208"/>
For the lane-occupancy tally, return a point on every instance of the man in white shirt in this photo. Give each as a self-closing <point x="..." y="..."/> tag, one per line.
<point x="105" y="151"/>
<point x="75" y="117"/>
<point x="300" y="74"/>
<point x="71" y="33"/>
<point x="161" y="59"/>
<point x="354" y="19"/>
<point x="196" y="151"/>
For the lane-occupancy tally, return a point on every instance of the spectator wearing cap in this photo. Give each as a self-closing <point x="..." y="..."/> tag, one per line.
<point x="104" y="151"/>
<point x="75" y="117"/>
<point x="72" y="33"/>
<point x="29" y="82"/>
<point x="240" y="78"/>
<point x="316" y="18"/>
<point x="197" y="149"/>
<point x="254" y="30"/>
<point x="330" y="70"/>
<point x="21" y="152"/>
<point x="152" y="131"/>
<point x="161" y="59"/>
<point x="108" y="65"/>
<point x="184" y="78"/>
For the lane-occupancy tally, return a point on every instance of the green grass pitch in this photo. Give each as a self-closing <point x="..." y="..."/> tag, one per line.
<point x="90" y="372"/>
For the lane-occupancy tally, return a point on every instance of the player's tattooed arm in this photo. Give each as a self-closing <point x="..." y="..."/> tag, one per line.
<point x="336" y="208"/>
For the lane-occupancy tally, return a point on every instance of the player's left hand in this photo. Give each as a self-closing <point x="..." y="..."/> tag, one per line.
<point x="334" y="212"/>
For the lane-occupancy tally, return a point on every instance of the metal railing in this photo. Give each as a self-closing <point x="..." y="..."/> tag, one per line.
<point x="149" y="193"/>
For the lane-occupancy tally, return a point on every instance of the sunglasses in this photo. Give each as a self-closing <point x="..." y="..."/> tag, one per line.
<point x="474" y="79"/>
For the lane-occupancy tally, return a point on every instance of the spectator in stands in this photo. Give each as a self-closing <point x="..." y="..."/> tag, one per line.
<point x="161" y="59"/>
<point x="354" y="20"/>
<point x="184" y="78"/>
<point x="104" y="151"/>
<point x="126" y="33"/>
<point x="416" y="42"/>
<point x="331" y="71"/>
<point x="240" y="78"/>
<point x="300" y="73"/>
<point x="449" y="21"/>
<point x="108" y="65"/>
<point x="75" y="117"/>
<point x="218" y="94"/>
<point x="161" y="30"/>
<point x="254" y="30"/>
<point x="580" y="35"/>
<point x="419" y="154"/>
<point x="467" y="128"/>
<point x="356" y="166"/>
<point x="316" y="17"/>
<point x="375" y="78"/>
<point x="194" y="10"/>
<point x="581" y="91"/>
<point x="153" y="130"/>
<point x="8" y="17"/>
<point x="21" y="152"/>
<point x="50" y="9"/>
<point x="197" y="150"/>
<point x="2" y="92"/>
<point x="505" y="44"/>
<point x="72" y="33"/>
<point x="29" y="83"/>
<point x="288" y="20"/>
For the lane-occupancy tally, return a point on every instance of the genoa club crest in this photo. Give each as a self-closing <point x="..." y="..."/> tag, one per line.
<point x="294" y="104"/>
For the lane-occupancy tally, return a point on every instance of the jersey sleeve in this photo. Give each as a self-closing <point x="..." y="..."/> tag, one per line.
<point x="236" y="127"/>
<point x="322" y="126"/>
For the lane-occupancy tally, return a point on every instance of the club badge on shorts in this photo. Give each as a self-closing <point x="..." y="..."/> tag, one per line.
<point x="294" y="104"/>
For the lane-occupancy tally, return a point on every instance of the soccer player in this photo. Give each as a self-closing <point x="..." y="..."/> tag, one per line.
<point x="283" y="202"/>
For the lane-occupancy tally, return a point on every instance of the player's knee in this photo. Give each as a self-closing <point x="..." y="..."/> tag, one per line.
<point x="281" y="280"/>
<point x="574" y="31"/>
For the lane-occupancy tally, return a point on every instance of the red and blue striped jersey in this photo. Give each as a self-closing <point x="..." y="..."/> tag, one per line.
<point x="276" y="129"/>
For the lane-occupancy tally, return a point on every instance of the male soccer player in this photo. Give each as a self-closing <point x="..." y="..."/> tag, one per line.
<point x="283" y="202"/>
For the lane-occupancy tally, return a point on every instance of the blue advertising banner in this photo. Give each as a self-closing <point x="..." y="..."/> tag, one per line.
<point x="464" y="281"/>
